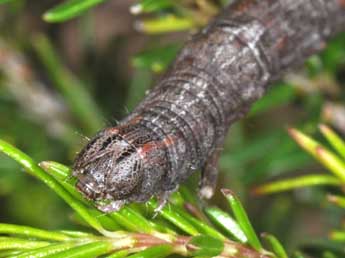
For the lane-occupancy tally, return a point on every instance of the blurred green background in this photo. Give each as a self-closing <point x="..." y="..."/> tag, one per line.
<point x="61" y="82"/>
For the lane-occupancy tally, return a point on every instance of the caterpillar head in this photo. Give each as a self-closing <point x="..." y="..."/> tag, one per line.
<point x="108" y="168"/>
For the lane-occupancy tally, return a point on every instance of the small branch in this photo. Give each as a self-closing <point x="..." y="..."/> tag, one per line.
<point x="182" y="246"/>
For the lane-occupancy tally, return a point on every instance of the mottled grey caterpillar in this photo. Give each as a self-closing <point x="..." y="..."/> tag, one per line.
<point x="180" y="125"/>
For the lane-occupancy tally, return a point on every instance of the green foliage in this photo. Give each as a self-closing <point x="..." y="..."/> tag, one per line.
<point x="276" y="245"/>
<point x="69" y="9"/>
<point x="256" y="149"/>
<point x="5" y="1"/>
<point x="156" y="59"/>
<point x="242" y="219"/>
<point x="149" y="6"/>
<point x="226" y="222"/>
<point x="205" y="246"/>
<point x="78" y="99"/>
<point x="73" y="8"/>
<point x="134" y="228"/>
<point x="163" y="24"/>
<point x="333" y="161"/>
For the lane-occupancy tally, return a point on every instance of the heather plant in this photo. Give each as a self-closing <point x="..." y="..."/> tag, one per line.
<point x="54" y="94"/>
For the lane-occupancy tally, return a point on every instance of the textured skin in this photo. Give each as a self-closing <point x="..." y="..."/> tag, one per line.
<point x="181" y="124"/>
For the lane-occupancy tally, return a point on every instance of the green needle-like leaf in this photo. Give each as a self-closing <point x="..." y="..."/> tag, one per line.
<point x="277" y="247"/>
<point x="91" y="250"/>
<point x="302" y="181"/>
<point x="10" y="253"/>
<point x="188" y="195"/>
<point x="119" y="254"/>
<point x="147" y="6"/>
<point x="8" y="243"/>
<point x="76" y="234"/>
<point x="67" y="183"/>
<point x="321" y="153"/>
<point x="334" y="139"/>
<point x="123" y="221"/>
<point x="199" y="223"/>
<point x="32" y="232"/>
<point x="107" y="222"/>
<point x="338" y="236"/>
<point x="203" y="227"/>
<point x="58" y="170"/>
<point x="136" y="220"/>
<point x="165" y="24"/>
<point x="332" y="162"/>
<point x="156" y="252"/>
<point x="205" y="246"/>
<point x="171" y="214"/>
<point x="62" y="173"/>
<point x="126" y="217"/>
<point x="69" y="9"/>
<point x="242" y="219"/>
<point x="46" y="250"/>
<point x="33" y="169"/>
<point x="226" y="222"/>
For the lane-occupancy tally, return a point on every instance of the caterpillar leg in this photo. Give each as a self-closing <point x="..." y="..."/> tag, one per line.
<point x="163" y="199"/>
<point x="209" y="175"/>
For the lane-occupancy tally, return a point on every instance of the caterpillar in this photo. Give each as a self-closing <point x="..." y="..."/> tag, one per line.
<point x="179" y="127"/>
